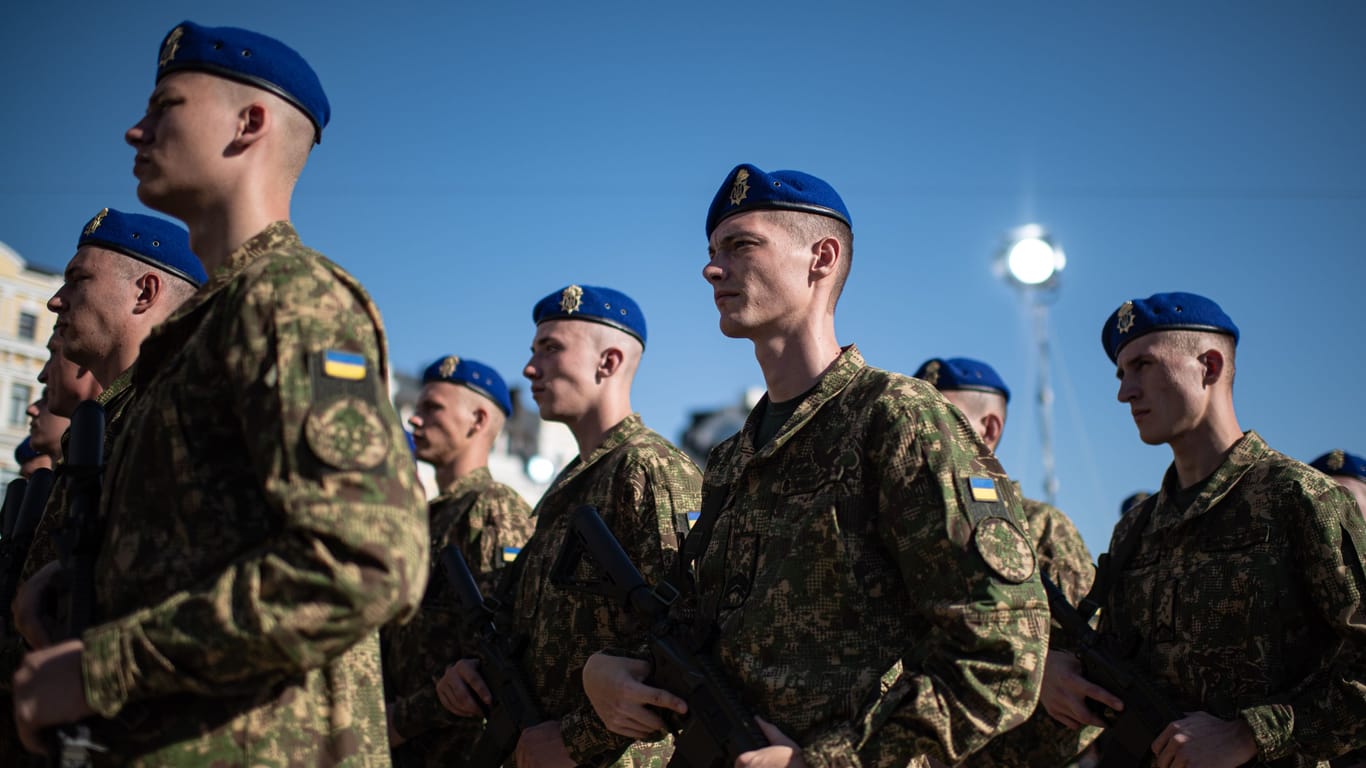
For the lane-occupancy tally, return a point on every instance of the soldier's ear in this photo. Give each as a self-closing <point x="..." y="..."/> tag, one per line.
<point x="1213" y="362"/>
<point x="254" y="121"/>
<point x="992" y="427"/>
<point x="825" y="255"/>
<point x="148" y="291"/>
<point x="610" y="362"/>
<point x="481" y="420"/>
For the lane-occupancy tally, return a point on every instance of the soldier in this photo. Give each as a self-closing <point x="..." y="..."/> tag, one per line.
<point x="45" y="428"/>
<point x="588" y="345"/>
<point x="262" y="516"/>
<point x="1348" y="470"/>
<point x="980" y="393"/>
<point x="129" y="273"/>
<point x="65" y="384"/>
<point x="460" y="413"/>
<point x="854" y="523"/>
<point x="1237" y="589"/>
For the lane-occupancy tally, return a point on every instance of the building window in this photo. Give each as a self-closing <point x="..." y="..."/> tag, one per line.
<point x="19" y="398"/>
<point x="28" y="325"/>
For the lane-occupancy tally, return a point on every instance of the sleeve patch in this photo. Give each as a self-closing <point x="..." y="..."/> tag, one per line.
<point x="510" y="553"/>
<point x="347" y="433"/>
<point x="1004" y="549"/>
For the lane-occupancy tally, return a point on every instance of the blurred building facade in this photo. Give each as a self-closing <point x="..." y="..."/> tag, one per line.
<point x="25" y="324"/>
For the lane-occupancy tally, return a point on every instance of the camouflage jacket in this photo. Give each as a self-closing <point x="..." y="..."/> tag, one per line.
<point x="263" y="520"/>
<point x="482" y="518"/>
<point x="644" y="487"/>
<point x="115" y="400"/>
<point x="874" y="529"/>
<point x="1248" y="603"/>
<point x="1043" y="742"/>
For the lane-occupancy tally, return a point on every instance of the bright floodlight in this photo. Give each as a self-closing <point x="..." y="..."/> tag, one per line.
<point x="1032" y="258"/>
<point x="540" y="469"/>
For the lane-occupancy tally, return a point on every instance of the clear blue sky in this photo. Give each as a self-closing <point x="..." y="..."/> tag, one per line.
<point x="482" y="155"/>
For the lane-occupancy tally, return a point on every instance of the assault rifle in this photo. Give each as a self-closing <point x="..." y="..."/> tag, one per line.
<point x="514" y="705"/>
<point x="717" y="728"/>
<point x="14" y="547"/>
<point x="78" y="544"/>
<point x="1129" y="735"/>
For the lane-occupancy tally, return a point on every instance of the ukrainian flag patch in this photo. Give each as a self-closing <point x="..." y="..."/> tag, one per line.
<point x="692" y="519"/>
<point x="983" y="489"/>
<point x="348" y="366"/>
<point x="510" y="553"/>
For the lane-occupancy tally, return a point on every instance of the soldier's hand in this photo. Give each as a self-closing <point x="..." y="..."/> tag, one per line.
<point x="616" y="691"/>
<point x="781" y="751"/>
<point x="460" y="685"/>
<point x="1065" y="692"/>
<point x="49" y="690"/>
<point x="542" y="746"/>
<point x="28" y="606"/>
<point x="1201" y="739"/>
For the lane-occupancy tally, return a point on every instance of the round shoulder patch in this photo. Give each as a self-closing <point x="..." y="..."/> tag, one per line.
<point x="347" y="432"/>
<point x="1006" y="551"/>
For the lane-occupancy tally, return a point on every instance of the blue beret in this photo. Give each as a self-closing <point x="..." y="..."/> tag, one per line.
<point x="148" y="239"/>
<point x="1340" y="462"/>
<point x="598" y="305"/>
<point x="472" y="374"/>
<point x="747" y="188"/>
<point x="1132" y="501"/>
<point x="248" y="57"/>
<point x="24" y="451"/>
<point x="1163" y="312"/>
<point x="962" y="373"/>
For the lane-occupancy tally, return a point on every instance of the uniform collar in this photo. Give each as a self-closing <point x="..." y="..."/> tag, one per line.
<point x="480" y="476"/>
<point x="1245" y="453"/>
<point x="625" y="429"/>
<point x="117" y="387"/>
<point x="831" y="383"/>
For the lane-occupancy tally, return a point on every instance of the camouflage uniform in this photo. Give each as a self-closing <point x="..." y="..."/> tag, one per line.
<point x="263" y="520"/>
<point x="853" y="541"/>
<point x="482" y="517"/>
<point x="644" y="487"/>
<point x="1248" y="603"/>
<point x="1043" y="742"/>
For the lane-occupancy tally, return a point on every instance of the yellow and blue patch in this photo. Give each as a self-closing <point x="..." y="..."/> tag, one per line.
<point x="692" y="519"/>
<point x="983" y="489"/>
<point x="511" y="553"/>
<point x="348" y="366"/>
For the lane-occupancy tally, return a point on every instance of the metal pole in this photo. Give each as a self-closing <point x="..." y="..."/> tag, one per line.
<point x="1050" y="478"/>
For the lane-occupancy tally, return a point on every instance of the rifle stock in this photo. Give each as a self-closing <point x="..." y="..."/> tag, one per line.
<point x="514" y="706"/>
<point x="1130" y="733"/>
<point x="717" y="727"/>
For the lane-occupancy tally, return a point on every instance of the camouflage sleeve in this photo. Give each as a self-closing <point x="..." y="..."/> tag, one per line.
<point x="496" y="520"/>
<point x="1062" y="552"/>
<point x="652" y="493"/>
<point x="344" y="541"/>
<point x="1324" y="716"/>
<point x="965" y="559"/>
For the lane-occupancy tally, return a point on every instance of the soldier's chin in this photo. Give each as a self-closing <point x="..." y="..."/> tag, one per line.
<point x="158" y="198"/>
